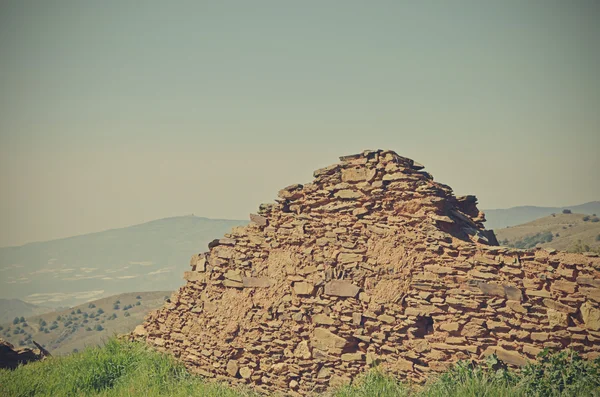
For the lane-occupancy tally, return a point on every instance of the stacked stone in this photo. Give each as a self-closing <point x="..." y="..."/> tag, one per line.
<point x="371" y="263"/>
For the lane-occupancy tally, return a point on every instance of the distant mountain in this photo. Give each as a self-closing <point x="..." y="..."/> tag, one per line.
<point x="150" y="256"/>
<point x="501" y="218"/>
<point x="565" y="232"/>
<point x="11" y="308"/>
<point x="88" y="324"/>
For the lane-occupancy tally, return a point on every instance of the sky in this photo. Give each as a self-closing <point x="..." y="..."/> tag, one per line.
<point x="118" y="112"/>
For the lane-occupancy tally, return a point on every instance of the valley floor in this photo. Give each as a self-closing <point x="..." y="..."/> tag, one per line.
<point x="121" y="369"/>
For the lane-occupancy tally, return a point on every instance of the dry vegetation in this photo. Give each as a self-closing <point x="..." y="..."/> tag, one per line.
<point x="565" y="232"/>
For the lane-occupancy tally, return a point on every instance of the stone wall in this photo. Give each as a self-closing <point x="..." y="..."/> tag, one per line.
<point x="372" y="262"/>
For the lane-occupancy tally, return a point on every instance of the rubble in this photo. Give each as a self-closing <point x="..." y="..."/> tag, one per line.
<point x="11" y="357"/>
<point x="371" y="262"/>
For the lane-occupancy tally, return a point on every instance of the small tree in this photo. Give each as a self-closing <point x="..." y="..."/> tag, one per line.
<point x="100" y="311"/>
<point x="22" y="319"/>
<point x="16" y="321"/>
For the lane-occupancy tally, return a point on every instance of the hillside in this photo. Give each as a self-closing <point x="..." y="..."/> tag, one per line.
<point x="559" y="231"/>
<point x="88" y="324"/>
<point x="11" y="308"/>
<point x="500" y="218"/>
<point x="150" y="256"/>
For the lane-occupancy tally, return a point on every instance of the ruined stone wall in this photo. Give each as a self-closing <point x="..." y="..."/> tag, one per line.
<point x="372" y="262"/>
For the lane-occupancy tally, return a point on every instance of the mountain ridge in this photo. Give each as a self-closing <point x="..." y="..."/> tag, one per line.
<point x="502" y="217"/>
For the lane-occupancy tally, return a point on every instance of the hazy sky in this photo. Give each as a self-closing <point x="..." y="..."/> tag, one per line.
<point x="118" y="112"/>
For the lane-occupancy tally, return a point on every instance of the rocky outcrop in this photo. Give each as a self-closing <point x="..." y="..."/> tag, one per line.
<point x="372" y="262"/>
<point x="11" y="358"/>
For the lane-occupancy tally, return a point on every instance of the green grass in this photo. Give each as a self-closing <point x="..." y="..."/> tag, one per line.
<point x="117" y="369"/>
<point x="131" y="369"/>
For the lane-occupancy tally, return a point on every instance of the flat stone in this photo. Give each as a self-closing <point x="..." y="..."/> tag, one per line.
<point x="303" y="288"/>
<point x="291" y="192"/>
<point x="195" y="276"/>
<point x="539" y="336"/>
<point x="386" y="318"/>
<point x="591" y="316"/>
<point x="256" y="282"/>
<point x="358" y="174"/>
<point x="507" y="356"/>
<point x="592" y="282"/>
<point x="345" y="257"/>
<point x="341" y="288"/>
<point x="491" y="289"/>
<point x="353" y="357"/>
<point x="322" y="319"/>
<point x="324" y="339"/>
<point x="245" y="372"/>
<point x="559" y="306"/>
<point x="449" y="327"/>
<point x="227" y="241"/>
<point x="232" y="284"/>
<point x="516" y="307"/>
<point x="258" y="219"/>
<point x="347" y="194"/>
<point x="233" y="276"/>
<point x="568" y="287"/>
<point x="232" y="367"/>
<point x="513" y="293"/>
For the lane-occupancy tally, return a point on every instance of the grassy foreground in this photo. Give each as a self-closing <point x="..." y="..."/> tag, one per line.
<point x="130" y="369"/>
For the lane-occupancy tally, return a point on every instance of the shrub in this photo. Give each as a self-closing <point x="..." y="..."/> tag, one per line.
<point x="137" y="303"/>
<point x="100" y="311"/>
<point x="88" y="329"/>
<point x="595" y="219"/>
<point x="16" y="321"/>
<point x="586" y="218"/>
<point x="566" y="211"/>
<point x="127" y="314"/>
<point x="532" y="241"/>
<point x="138" y="297"/>
<point x="113" y="316"/>
<point x="598" y="237"/>
<point x="116" y="307"/>
<point x="22" y="319"/>
<point x="42" y="322"/>
<point x="98" y="327"/>
<point x="563" y="373"/>
<point x="91" y="306"/>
